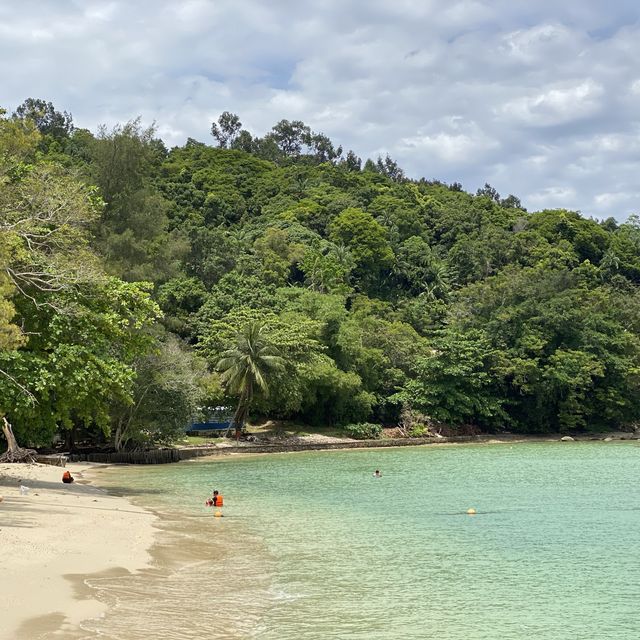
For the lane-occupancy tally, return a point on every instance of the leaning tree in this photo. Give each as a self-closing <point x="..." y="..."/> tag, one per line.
<point x="44" y="215"/>
<point x="245" y="368"/>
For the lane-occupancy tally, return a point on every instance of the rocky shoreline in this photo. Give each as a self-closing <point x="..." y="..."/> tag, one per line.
<point x="318" y="442"/>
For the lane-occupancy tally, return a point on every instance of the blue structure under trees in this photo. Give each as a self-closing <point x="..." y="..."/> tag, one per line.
<point x="216" y="420"/>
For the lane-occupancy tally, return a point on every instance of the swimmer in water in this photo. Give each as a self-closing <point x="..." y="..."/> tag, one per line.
<point x="377" y="474"/>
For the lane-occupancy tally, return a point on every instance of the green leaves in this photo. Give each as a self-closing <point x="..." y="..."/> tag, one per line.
<point x="365" y="238"/>
<point x="167" y="390"/>
<point x="455" y="383"/>
<point x="85" y="329"/>
<point x="79" y="360"/>
<point x="10" y="334"/>
<point x="246" y="366"/>
<point x="562" y="344"/>
<point x="327" y="293"/>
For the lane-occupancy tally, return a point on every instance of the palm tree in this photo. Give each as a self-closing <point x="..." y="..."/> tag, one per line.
<point x="245" y="367"/>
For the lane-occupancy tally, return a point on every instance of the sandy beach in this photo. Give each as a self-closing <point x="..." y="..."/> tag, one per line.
<point x="53" y="531"/>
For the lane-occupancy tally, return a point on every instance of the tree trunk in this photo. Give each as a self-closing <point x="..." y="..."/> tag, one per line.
<point x="14" y="453"/>
<point x="70" y="438"/>
<point x="242" y="411"/>
<point x="119" y="435"/>
<point x="239" y="416"/>
<point x="12" y="443"/>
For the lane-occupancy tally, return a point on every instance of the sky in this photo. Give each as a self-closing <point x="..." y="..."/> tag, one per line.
<point x="539" y="98"/>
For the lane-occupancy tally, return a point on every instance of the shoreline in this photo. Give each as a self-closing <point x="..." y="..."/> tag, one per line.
<point x="57" y="534"/>
<point x="298" y="445"/>
<point x="319" y="442"/>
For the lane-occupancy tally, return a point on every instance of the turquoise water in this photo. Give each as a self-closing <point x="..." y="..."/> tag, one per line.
<point x="313" y="546"/>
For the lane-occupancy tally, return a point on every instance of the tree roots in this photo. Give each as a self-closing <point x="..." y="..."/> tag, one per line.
<point x="19" y="455"/>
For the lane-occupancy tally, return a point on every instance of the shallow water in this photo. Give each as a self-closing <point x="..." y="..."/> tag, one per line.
<point x="312" y="546"/>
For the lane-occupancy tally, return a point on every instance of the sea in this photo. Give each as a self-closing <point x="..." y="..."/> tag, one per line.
<point x="311" y="545"/>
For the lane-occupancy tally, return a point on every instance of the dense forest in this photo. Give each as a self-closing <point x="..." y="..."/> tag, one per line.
<point x="129" y="272"/>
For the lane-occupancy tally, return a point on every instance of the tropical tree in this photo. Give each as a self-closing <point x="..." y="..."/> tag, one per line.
<point x="48" y="120"/>
<point x="227" y="129"/>
<point x="456" y="383"/>
<point x="43" y="213"/>
<point x="68" y="333"/>
<point x="366" y="239"/>
<point x="165" y="396"/>
<point x="246" y="366"/>
<point x="132" y="233"/>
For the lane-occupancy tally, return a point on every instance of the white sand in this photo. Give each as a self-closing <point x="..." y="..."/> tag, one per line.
<point x="58" y="529"/>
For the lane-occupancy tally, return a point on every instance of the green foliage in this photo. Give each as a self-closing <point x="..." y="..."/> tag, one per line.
<point x="327" y="269"/>
<point x="133" y="234"/>
<point x="333" y="396"/>
<point x="565" y="342"/>
<point x="365" y="290"/>
<point x="364" y="431"/>
<point x="179" y="298"/>
<point x="78" y="359"/>
<point x="55" y="126"/>
<point x="455" y="383"/>
<point x="84" y="329"/>
<point x="10" y="334"/>
<point x="245" y="367"/>
<point x="165" y="397"/>
<point x="365" y="238"/>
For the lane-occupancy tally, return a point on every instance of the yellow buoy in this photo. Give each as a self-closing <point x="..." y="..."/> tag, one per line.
<point x="471" y="512"/>
<point x="217" y="514"/>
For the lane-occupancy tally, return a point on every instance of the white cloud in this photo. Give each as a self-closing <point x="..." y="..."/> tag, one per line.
<point x="535" y="45"/>
<point x="541" y="99"/>
<point x="552" y="197"/>
<point x="453" y="140"/>
<point x="612" y="199"/>
<point x="556" y="105"/>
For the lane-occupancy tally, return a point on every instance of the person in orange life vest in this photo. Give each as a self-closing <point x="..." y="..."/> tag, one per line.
<point x="215" y="501"/>
<point x="67" y="478"/>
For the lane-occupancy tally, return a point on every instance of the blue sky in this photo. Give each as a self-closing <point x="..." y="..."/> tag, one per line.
<point x="541" y="99"/>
